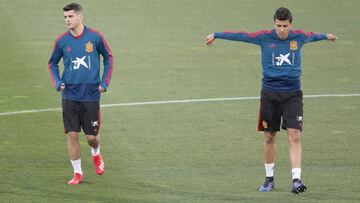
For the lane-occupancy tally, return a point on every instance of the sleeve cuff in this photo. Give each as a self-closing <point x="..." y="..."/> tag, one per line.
<point x="325" y="36"/>
<point x="58" y="86"/>
<point x="217" y="35"/>
<point x="103" y="85"/>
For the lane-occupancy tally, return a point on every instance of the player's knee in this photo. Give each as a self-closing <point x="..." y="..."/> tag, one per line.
<point x="91" y="138"/>
<point x="73" y="135"/>
<point x="294" y="138"/>
<point x="270" y="137"/>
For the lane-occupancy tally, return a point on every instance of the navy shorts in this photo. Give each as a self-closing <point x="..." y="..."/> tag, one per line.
<point x="283" y="109"/>
<point x="85" y="115"/>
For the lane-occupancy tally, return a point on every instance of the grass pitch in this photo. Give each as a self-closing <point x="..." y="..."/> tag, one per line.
<point x="193" y="152"/>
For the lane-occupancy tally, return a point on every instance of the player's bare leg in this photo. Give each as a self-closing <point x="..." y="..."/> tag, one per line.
<point x="73" y="145"/>
<point x="269" y="158"/>
<point x="94" y="143"/>
<point x="295" y="159"/>
<point x="269" y="147"/>
<point x="295" y="147"/>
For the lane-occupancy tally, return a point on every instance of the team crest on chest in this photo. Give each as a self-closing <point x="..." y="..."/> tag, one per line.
<point x="293" y="45"/>
<point x="89" y="47"/>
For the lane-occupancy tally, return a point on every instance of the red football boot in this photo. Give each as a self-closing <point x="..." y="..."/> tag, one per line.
<point x="77" y="178"/>
<point x="98" y="164"/>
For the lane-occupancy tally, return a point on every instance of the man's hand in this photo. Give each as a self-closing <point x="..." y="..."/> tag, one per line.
<point x="101" y="89"/>
<point x="210" y="39"/>
<point x="62" y="87"/>
<point x="331" y="37"/>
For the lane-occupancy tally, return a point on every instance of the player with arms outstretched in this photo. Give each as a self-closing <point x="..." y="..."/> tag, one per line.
<point x="281" y="95"/>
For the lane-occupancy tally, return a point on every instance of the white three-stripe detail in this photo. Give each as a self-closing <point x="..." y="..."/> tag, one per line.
<point x="101" y="165"/>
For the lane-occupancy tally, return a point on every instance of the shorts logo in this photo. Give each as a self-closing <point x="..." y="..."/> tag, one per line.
<point x="94" y="123"/>
<point x="89" y="47"/>
<point x="293" y="45"/>
<point x="264" y="124"/>
<point x="300" y="118"/>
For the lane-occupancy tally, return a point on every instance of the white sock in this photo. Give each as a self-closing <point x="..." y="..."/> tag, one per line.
<point x="76" y="164"/>
<point x="95" y="151"/>
<point x="296" y="173"/>
<point x="269" y="169"/>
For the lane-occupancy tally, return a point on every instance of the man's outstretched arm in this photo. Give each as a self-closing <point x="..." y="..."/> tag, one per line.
<point x="248" y="37"/>
<point x="315" y="36"/>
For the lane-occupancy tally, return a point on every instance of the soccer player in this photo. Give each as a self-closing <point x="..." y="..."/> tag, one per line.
<point x="80" y="48"/>
<point x="281" y="96"/>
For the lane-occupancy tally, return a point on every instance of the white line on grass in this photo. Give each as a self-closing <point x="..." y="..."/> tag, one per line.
<point x="174" y="102"/>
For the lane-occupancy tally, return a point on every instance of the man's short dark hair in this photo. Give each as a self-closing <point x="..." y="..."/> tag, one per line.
<point x="73" y="6"/>
<point x="283" y="14"/>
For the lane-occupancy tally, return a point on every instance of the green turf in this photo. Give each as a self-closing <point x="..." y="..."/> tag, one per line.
<point x="194" y="152"/>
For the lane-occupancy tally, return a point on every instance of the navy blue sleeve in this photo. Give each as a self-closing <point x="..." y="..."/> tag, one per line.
<point x="313" y="37"/>
<point x="105" y="51"/>
<point x="53" y="66"/>
<point x="249" y="37"/>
